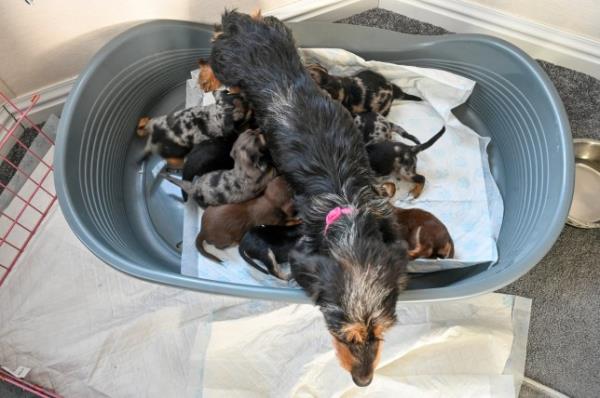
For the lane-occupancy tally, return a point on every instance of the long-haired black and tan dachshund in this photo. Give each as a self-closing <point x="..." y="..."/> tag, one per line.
<point x="350" y="260"/>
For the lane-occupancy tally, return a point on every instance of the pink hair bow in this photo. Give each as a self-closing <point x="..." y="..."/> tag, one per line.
<point x="334" y="215"/>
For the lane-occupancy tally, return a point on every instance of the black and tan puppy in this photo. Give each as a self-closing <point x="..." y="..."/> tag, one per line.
<point x="395" y="159"/>
<point x="207" y="156"/>
<point x="376" y="128"/>
<point x="270" y="244"/>
<point x="172" y="136"/>
<point x="251" y="173"/>
<point x="349" y="260"/>
<point x="366" y="91"/>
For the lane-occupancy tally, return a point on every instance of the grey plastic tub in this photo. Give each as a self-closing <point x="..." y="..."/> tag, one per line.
<point x="134" y="225"/>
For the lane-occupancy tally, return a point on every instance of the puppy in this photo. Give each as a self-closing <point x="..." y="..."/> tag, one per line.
<point x="389" y="158"/>
<point x="349" y="260"/>
<point x="376" y="128"/>
<point x="427" y="236"/>
<point x="251" y="173"/>
<point x="206" y="78"/>
<point x="224" y="226"/>
<point x="207" y="156"/>
<point x="271" y="245"/>
<point x="366" y="91"/>
<point x="173" y="136"/>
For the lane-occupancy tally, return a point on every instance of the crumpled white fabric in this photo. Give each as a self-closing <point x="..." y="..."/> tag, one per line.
<point x="87" y="330"/>
<point x="469" y="348"/>
<point x="460" y="189"/>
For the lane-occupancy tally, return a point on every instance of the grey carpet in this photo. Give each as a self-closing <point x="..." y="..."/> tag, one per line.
<point x="10" y="391"/>
<point x="564" y="335"/>
<point x="528" y="392"/>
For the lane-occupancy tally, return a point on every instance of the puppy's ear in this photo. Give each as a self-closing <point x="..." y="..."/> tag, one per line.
<point x="313" y="272"/>
<point x="256" y="14"/>
<point x="289" y="209"/>
<point x="387" y="189"/>
<point x="318" y="73"/>
<point x="261" y="163"/>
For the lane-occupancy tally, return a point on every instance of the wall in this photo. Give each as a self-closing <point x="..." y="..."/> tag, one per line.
<point x="577" y="16"/>
<point x="45" y="43"/>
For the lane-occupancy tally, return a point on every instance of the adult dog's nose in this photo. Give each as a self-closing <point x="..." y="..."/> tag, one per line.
<point x="362" y="381"/>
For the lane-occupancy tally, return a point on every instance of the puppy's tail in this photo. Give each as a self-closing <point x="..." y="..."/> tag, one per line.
<point x="250" y="261"/>
<point x="186" y="186"/>
<point x="399" y="94"/>
<point x="403" y="133"/>
<point x="202" y="250"/>
<point x="427" y="144"/>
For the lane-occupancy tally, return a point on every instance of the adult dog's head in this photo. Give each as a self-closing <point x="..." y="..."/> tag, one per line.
<point x="356" y="286"/>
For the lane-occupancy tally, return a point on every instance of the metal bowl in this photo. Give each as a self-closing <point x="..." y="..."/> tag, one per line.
<point x="585" y="209"/>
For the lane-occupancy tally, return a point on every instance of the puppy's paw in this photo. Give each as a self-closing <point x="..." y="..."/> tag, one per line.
<point x="175" y="163"/>
<point x="417" y="190"/>
<point x="293" y="221"/>
<point x="141" y="127"/>
<point x="420" y="251"/>
<point x="447" y="251"/>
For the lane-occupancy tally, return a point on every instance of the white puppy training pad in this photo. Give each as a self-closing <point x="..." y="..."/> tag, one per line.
<point x="469" y="348"/>
<point x="87" y="330"/>
<point x="460" y="189"/>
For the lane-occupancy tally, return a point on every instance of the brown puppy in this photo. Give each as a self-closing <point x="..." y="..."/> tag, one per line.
<point x="224" y="226"/>
<point x="427" y="236"/>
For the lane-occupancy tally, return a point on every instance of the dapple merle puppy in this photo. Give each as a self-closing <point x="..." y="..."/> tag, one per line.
<point x="172" y="136"/>
<point x="376" y="128"/>
<point x="366" y="91"/>
<point x="349" y="260"/>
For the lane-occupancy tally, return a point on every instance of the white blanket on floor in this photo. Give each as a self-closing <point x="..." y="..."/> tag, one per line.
<point x="87" y="330"/>
<point x="459" y="190"/>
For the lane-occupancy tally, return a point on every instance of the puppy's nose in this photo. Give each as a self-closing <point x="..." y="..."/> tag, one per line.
<point x="362" y="381"/>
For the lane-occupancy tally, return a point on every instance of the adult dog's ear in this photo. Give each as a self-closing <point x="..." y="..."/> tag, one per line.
<point x="313" y="273"/>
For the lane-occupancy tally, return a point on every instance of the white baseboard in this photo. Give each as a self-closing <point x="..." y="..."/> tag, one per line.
<point x="53" y="97"/>
<point x="321" y="10"/>
<point x="540" y="41"/>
